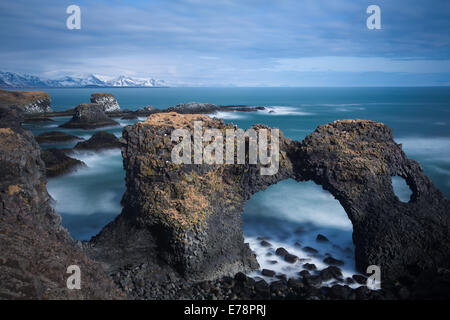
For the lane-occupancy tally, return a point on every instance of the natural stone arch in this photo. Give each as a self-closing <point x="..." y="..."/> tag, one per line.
<point x="189" y="216"/>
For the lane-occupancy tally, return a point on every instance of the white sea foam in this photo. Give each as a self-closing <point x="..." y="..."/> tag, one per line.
<point x="96" y="188"/>
<point x="284" y="110"/>
<point x="291" y="213"/>
<point x="229" y="115"/>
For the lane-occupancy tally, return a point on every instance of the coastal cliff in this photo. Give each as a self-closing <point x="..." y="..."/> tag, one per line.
<point x="30" y="102"/>
<point x="35" y="250"/>
<point x="180" y="232"/>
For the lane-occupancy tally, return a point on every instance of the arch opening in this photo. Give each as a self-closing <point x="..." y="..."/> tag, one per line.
<point x="401" y="189"/>
<point x="294" y="216"/>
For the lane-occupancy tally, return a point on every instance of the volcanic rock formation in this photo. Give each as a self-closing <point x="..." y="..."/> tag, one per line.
<point x="56" y="136"/>
<point x="35" y="250"/>
<point x="30" y="102"/>
<point x="89" y="116"/>
<point x="99" y="141"/>
<point x="106" y="100"/>
<point x="57" y="162"/>
<point x="188" y="216"/>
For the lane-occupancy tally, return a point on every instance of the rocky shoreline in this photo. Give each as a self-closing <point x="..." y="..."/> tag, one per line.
<point x="180" y="236"/>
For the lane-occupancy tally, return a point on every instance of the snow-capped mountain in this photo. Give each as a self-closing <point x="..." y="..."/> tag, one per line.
<point x="16" y="80"/>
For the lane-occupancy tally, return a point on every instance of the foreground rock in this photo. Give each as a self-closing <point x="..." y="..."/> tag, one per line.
<point x="106" y="100"/>
<point x="55" y="136"/>
<point x="30" y="102"/>
<point x="89" y="116"/>
<point x="185" y="219"/>
<point x="35" y="249"/>
<point x="99" y="141"/>
<point x="58" y="163"/>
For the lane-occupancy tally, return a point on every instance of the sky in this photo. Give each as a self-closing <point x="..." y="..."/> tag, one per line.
<point x="232" y="43"/>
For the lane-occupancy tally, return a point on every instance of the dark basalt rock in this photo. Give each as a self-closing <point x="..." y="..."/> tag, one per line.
<point x="310" y="250"/>
<point x="359" y="279"/>
<point x="208" y="108"/>
<point x="193" y="108"/>
<point x="89" y="116"/>
<point x="331" y="272"/>
<point x="310" y="266"/>
<point x="30" y="102"/>
<point x="187" y="217"/>
<point x="265" y="243"/>
<point x="35" y="249"/>
<point x="268" y="273"/>
<point x="333" y="262"/>
<point x="354" y="160"/>
<point x="312" y="281"/>
<point x="281" y="252"/>
<point x="321" y="238"/>
<point x="99" y="141"/>
<point x="55" y="136"/>
<point x="304" y="273"/>
<point x="57" y="162"/>
<point x="291" y="258"/>
<point x="106" y="100"/>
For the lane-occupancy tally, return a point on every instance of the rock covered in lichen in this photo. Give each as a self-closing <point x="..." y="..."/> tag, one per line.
<point x="188" y="217"/>
<point x="35" y="250"/>
<point x="192" y="211"/>
<point x="106" y="100"/>
<point x="354" y="160"/>
<point x="31" y="102"/>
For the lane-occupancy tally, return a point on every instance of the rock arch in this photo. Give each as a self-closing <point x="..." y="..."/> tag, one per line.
<point x="188" y="217"/>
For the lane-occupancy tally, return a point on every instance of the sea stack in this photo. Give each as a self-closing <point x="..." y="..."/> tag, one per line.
<point x="29" y="102"/>
<point x="89" y="116"/>
<point x="106" y="100"/>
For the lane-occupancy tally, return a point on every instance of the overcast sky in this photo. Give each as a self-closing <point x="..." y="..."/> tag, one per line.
<point x="227" y="42"/>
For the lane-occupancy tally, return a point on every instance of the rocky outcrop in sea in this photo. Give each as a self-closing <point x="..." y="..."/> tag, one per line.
<point x="106" y="100"/>
<point x="99" y="141"/>
<point x="89" y="116"/>
<point x="30" y="102"/>
<point x="208" y="108"/>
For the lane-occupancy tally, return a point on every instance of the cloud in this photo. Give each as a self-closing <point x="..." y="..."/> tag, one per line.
<point x="245" y="42"/>
<point x="361" y="64"/>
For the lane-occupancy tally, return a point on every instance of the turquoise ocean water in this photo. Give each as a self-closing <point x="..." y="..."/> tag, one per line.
<point x="289" y="212"/>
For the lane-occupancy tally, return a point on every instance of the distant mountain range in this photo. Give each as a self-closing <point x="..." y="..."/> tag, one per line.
<point x="17" y="80"/>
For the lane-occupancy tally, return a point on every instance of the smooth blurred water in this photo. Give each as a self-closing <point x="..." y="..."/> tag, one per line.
<point x="419" y="117"/>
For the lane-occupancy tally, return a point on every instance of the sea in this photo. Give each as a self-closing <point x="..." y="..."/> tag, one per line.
<point x="289" y="214"/>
